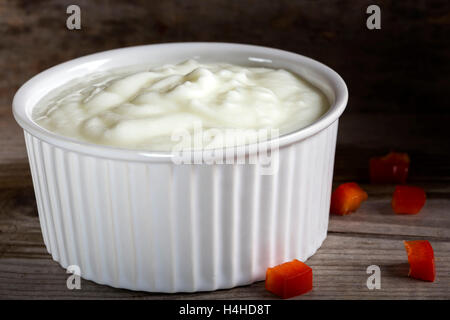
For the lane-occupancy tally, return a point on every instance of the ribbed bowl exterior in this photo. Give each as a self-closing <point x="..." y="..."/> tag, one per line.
<point x="163" y="227"/>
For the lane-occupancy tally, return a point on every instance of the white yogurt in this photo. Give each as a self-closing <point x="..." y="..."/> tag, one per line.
<point x="145" y="109"/>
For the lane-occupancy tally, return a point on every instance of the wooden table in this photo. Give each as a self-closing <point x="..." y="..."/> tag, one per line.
<point x="397" y="77"/>
<point x="372" y="235"/>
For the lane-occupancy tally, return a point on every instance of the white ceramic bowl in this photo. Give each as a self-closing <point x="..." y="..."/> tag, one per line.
<point x="134" y="219"/>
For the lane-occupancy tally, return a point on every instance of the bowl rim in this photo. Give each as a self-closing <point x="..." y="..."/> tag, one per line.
<point x="24" y="119"/>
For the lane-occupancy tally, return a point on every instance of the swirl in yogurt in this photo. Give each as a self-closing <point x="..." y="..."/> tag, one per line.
<point x="142" y="109"/>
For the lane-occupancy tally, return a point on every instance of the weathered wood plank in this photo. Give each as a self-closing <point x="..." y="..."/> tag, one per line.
<point x="339" y="273"/>
<point x="403" y="66"/>
<point x="18" y="214"/>
<point x="376" y="217"/>
<point x="396" y="103"/>
<point x="357" y="142"/>
<point x="27" y="270"/>
<point x="12" y="143"/>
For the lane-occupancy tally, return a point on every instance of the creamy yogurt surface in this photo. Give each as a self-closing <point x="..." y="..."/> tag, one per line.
<point x="151" y="108"/>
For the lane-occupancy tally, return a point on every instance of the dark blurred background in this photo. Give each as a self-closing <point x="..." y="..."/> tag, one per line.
<point x="398" y="77"/>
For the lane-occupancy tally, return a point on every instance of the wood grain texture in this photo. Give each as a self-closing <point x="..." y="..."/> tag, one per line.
<point x="339" y="273"/>
<point x="405" y="61"/>
<point x="373" y="235"/>
<point x="397" y="77"/>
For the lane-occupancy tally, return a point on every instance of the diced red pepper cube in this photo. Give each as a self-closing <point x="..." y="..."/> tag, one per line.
<point x="347" y="198"/>
<point x="421" y="260"/>
<point x="289" y="279"/>
<point x="392" y="168"/>
<point x="408" y="199"/>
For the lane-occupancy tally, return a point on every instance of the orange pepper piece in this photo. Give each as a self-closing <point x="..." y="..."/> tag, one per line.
<point x="421" y="260"/>
<point x="289" y="279"/>
<point x="392" y="168"/>
<point x="347" y="198"/>
<point x="408" y="199"/>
